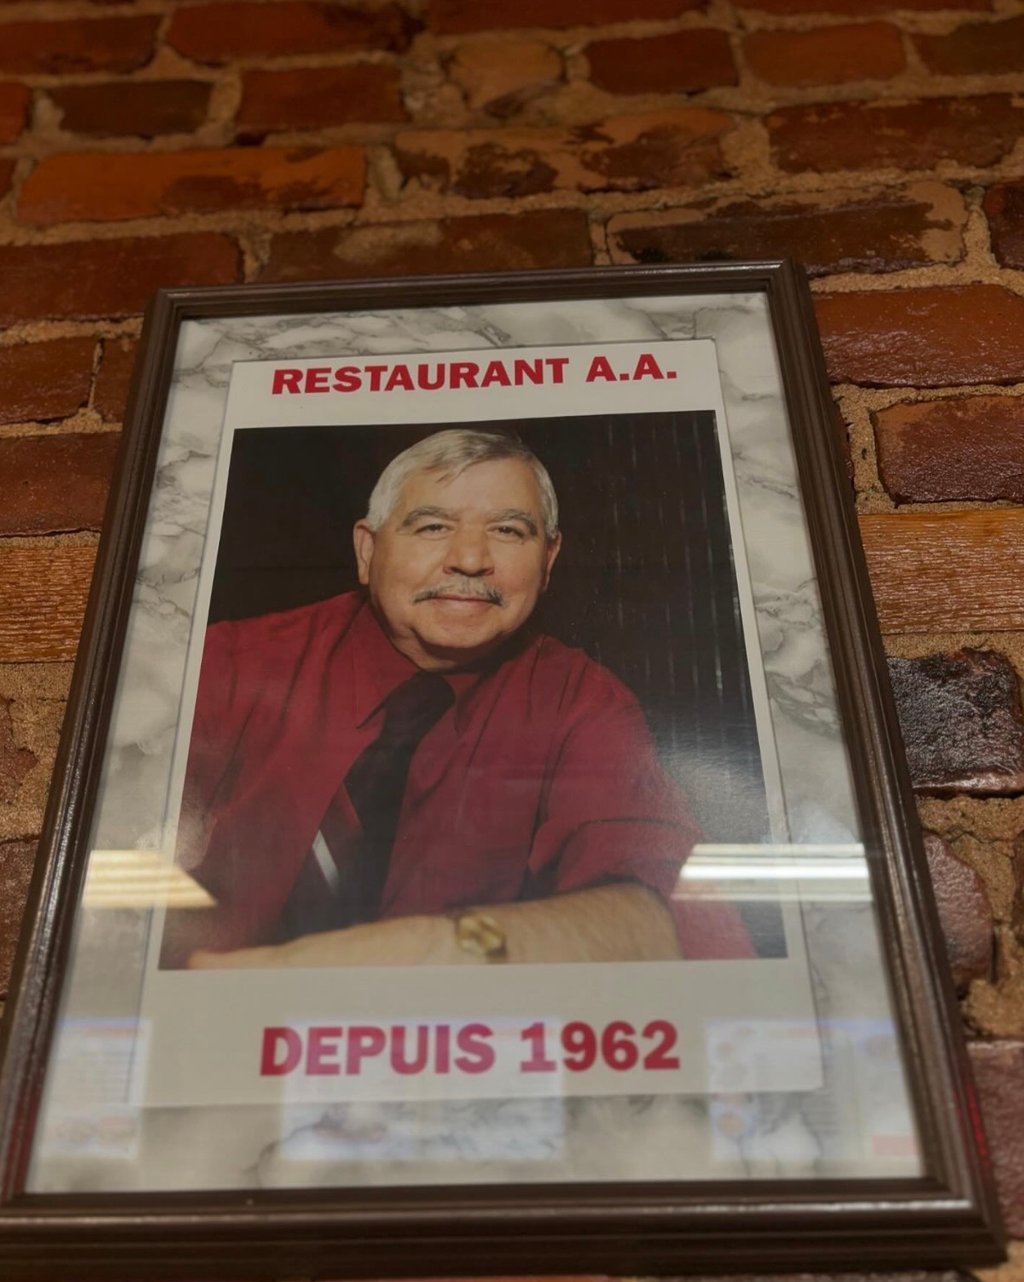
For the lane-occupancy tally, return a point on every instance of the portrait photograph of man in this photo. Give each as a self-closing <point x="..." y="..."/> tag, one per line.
<point x="468" y="695"/>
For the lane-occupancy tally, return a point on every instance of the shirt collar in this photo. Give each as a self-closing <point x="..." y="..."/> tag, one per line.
<point x="379" y="669"/>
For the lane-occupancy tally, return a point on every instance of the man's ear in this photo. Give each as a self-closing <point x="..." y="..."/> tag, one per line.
<point x="363" y="541"/>
<point x="551" y="553"/>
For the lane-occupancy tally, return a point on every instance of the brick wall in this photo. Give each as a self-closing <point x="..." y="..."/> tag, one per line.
<point x="144" y="142"/>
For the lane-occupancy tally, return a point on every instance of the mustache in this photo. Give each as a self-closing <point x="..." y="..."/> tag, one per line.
<point x="466" y="588"/>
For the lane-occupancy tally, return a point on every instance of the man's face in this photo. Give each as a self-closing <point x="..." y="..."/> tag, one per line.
<point x="459" y="564"/>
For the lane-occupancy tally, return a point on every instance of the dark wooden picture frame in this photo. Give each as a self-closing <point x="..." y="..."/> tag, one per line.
<point x="943" y="1217"/>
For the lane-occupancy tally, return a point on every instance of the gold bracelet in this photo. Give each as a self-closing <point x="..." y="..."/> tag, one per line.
<point x="479" y="934"/>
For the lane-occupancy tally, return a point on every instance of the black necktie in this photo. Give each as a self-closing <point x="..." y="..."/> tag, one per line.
<point x="376" y="781"/>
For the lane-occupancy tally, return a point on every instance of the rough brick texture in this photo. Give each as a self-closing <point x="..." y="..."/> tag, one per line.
<point x="500" y="76"/>
<point x="143" y="108"/>
<point x="43" y="381"/>
<point x="559" y="238"/>
<point x="1004" y="207"/>
<point x="829" y="233"/>
<point x="16" y="862"/>
<point x="962" y="724"/>
<point x="964" y="913"/>
<point x="459" y="16"/>
<point x="924" y="337"/>
<point x="215" y="33"/>
<point x="55" y="483"/>
<point x="91" y="44"/>
<point x="113" y="378"/>
<point x="625" y="153"/>
<point x="975" y="48"/>
<point x="999" y="1073"/>
<point x="952" y="450"/>
<point x="14" y="101"/>
<point x="318" y="97"/>
<point x="108" y="277"/>
<point x="145" y="184"/>
<point x="677" y="63"/>
<point x="856" y="51"/>
<point x="911" y="135"/>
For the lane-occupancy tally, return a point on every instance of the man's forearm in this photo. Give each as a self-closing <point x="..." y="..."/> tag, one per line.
<point x="622" y="922"/>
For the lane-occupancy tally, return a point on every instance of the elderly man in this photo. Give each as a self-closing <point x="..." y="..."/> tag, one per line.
<point x="410" y="774"/>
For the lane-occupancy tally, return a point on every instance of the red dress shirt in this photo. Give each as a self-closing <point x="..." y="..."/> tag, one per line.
<point x="542" y="778"/>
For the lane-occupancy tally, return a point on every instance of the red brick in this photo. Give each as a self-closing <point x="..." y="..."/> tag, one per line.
<point x="142" y="108"/>
<point x="683" y="62"/>
<point x="858" y="7"/>
<point x="14" y="100"/>
<point x="318" y="97"/>
<point x="999" y="1076"/>
<point x="885" y="231"/>
<point x="853" y="51"/>
<point x="493" y="242"/>
<point x="1004" y="206"/>
<point x="113" y="379"/>
<point x="500" y="76"/>
<point x="222" y="32"/>
<point x="624" y="153"/>
<point x="91" y="44"/>
<point x="451" y="17"/>
<point x="85" y="279"/>
<point x="962" y="724"/>
<point x="43" y="381"/>
<point x="964" y="913"/>
<point x="16" y="863"/>
<point x="924" y="337"/>
<point x="54" y="484"/>
<point x="144" y="184"/>
<point x="914" y="135"/>
<point x="970" y="448"/>
<point x="975" y="49"/>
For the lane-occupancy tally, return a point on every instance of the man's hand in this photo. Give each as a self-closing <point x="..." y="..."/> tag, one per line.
<point x="624" y="922"/>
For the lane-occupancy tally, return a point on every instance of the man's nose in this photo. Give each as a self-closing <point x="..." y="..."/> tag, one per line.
<point x="469" y="553"/>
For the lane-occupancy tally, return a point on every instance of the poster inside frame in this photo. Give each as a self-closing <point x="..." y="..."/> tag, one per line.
<point x="478" y="834"/>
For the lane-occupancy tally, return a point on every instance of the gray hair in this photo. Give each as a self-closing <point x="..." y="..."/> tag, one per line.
<point x="450" y="452"/>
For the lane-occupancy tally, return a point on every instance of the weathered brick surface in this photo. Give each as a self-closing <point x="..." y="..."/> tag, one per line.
<point x="625" y="153"/>
<point x="964" y="913"/>
<point x="55" y="483"/>
<point x="140" y="108"/>
<point x="43" y="381"/>
<point x="215" y="33"/>
<point x="494" y="242"/>
<point x="976" y="48"/>
<point x="857" y="7"/>
<point x="851" y="51"/>
<point x="974" y="131"/>
<point x="82" y="279"/>
<point x="962" y="723"/>
<point x="999" y="1074"/>
<point x="90" y="44"/>
<point x="500" y="76"/>
<point x="952" y="450"/>
<point x="16" y="862"/>
<point x="318" y="97"/>
<point x="113" y="378"/>
<point x="883" y="231"/>
<point x="1004" y="208"/>
<point x="144" y="184"/>
<point x="680" y="62"/>
<point x="450" y="17"/>
<point x="924" y="337"/>
<point x="14" y="101"/>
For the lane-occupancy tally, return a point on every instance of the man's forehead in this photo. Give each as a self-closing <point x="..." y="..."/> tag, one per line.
<point x="487" y="481"/>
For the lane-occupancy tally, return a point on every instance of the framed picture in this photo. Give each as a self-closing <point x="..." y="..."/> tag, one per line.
<point x="479" y="841"/>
